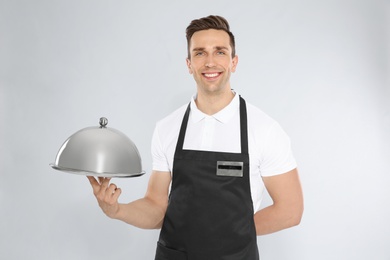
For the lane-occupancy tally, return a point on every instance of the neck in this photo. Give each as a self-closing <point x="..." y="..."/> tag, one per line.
<point x="213" y="103"/>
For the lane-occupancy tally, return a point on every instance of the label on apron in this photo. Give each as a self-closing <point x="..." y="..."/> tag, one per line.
<point x="228" y="168"/>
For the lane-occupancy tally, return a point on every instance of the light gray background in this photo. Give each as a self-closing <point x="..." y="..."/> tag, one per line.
<point x="318" y="67"/>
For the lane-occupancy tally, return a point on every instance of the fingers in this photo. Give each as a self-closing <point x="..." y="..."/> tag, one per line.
<point x="111" y="194"/>
<point x="94" y="183"/>
<point x="103" y="189"/>
<point x="102" y="186"/>
<point x="106" y="193"/>
<point x="111" y="189"/>
<point x="116" y="194"/>
<point x="104" y="181"/>
<point x="92" y="180"/>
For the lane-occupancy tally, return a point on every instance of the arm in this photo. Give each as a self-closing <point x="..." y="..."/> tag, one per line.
<point x="287" y="208"/>
<point x="147" y="212"/>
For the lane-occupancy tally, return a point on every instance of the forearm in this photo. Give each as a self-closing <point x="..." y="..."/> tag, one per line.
<point x="142" y="213"/>
<point x="273" y="218"/>
<point x="287" y="208"/>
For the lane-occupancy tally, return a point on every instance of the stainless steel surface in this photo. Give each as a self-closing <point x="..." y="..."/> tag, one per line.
<point x="99" y="151"/>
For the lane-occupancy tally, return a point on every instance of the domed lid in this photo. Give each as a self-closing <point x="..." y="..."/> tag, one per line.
<point x="99" y="151"/>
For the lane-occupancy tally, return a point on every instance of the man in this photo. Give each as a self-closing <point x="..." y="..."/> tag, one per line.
<point x="217" y="154"/>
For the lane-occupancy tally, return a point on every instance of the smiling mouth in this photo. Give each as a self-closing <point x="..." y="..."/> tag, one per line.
<point x="211" y="75"/>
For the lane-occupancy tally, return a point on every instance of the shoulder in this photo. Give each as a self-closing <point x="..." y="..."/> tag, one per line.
<point x="265" y="130"/>
<point x="169" y="125"/>
<point x="258" y="119"/>
<point x="173" y="118"/>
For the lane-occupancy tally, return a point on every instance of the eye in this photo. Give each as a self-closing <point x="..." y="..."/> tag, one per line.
<point x="200" y="53"/>
<point x="221" y="53"/>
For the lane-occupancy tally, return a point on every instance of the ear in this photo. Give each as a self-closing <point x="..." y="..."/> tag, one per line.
<point x="188" y="61"/>
<point x="234" y="63"/>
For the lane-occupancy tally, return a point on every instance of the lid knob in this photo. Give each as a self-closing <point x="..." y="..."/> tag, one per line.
<point x="103" y="122"/>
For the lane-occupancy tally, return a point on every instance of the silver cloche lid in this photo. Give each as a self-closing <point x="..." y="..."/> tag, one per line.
<point x="99" y="151"/>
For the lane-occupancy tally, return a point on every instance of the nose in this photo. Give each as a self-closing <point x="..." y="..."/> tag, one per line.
<point x="210" y="62"/>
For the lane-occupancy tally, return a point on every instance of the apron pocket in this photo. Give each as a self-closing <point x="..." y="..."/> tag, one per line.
<point x="165" y="253"/>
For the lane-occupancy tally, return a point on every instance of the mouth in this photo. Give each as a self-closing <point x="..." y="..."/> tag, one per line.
<point x="212" y="75"/>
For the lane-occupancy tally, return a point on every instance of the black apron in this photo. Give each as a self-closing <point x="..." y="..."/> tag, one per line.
<point x="210" y="210"/>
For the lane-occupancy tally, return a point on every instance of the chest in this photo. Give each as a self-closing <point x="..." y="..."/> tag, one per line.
<point x="209" y="134"/>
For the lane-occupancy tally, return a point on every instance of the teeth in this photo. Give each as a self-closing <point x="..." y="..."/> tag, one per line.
<point x="211" y="75"/>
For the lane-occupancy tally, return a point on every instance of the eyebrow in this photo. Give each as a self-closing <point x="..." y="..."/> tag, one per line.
<point x="221" y="48"/>
<point x="218" y="48"/>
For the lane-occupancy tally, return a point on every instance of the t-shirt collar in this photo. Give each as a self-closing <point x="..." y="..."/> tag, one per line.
<point x="223" y="116"/>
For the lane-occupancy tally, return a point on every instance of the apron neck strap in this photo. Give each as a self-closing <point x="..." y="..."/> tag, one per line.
<point x="183" y="128"/>
<point x="243" y="127"/>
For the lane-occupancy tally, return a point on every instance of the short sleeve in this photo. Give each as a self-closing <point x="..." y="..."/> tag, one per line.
<point x="277" y="156"/>
<point x="160" y="162"/>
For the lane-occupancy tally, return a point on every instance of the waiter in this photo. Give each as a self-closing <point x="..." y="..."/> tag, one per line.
<point x="217" y="154"/>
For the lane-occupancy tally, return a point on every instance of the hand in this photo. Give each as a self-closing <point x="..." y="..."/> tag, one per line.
<point x="106" y="194"/>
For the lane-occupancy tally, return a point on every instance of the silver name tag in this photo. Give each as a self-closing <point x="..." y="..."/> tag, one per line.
<point x="233" y="169"/>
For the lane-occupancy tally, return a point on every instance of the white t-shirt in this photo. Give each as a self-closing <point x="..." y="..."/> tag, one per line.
<point x="269" y="146"/>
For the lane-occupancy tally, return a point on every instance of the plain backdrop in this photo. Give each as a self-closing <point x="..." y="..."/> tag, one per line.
<point x="320" y="68"/>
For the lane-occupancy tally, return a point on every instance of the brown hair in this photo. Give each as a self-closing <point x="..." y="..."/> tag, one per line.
<point x="210" y="22"/>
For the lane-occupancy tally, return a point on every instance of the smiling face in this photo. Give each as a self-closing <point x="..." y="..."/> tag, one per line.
<point x="211" y="62"/>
